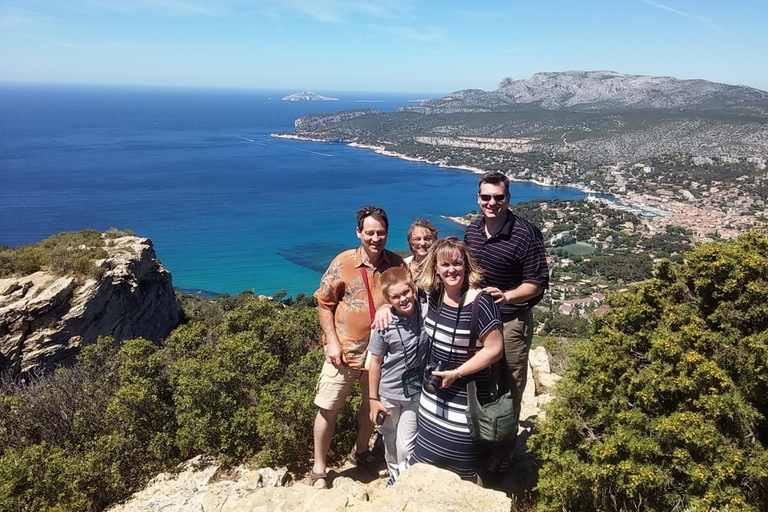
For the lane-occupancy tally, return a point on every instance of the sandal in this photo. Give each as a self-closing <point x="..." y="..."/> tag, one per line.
<point x="316" y="477"/>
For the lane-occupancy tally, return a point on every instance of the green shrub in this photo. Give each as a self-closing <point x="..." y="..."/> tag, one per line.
<point x="286" y="333"/>
<point x="64" y="253"/>
<point x="215" y="395"/>
<point x="45" y="478"/>
<point x="663" y="408"/>
<point x="286" y="414"/>
<point x="117" y="233"/>
<point x="87" y="436"/>
<point x="187" y="339"/>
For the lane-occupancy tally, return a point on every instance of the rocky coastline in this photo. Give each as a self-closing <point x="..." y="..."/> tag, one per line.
<point x="382" y="150"/>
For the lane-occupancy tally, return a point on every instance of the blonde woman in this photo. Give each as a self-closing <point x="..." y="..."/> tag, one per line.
<point x="451" y="278"/>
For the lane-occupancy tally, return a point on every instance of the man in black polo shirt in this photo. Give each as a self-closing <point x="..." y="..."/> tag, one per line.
<point x="510" y="250"/>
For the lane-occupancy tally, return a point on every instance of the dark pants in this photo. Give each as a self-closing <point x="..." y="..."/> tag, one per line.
<point x="518" y="333"/>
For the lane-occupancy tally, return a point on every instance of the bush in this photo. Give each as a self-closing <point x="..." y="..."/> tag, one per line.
<point x="663" y="408"/>
<point x="286" y="414"/>
<point x="87" y="436"/>
<point x="113" y="232"/>
<point x="214" y="402"/>
<point x="253" y="356"/>
<point x="64" y="253"/>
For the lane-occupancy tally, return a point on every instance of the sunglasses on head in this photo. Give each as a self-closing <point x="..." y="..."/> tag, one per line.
<point x="498" y="197"/>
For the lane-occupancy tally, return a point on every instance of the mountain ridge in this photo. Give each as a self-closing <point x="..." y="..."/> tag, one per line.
<point x="590" y="117"/>
<point x="595" y="90"/>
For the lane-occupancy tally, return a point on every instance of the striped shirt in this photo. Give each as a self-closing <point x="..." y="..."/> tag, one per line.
<point x="442" y="433"/>
<point x="513" y="256"/>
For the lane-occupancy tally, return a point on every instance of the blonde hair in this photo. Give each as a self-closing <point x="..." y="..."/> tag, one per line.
<point x="393" y="276"/>
<point x="444" y="250"/>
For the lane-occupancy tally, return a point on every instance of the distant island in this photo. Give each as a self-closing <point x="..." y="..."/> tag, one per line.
<point x="308" y="96"/>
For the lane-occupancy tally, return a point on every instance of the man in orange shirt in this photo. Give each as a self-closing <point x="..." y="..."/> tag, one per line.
<point x="345" y="310"/>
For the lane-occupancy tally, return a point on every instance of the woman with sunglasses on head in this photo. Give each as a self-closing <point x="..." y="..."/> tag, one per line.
<point x="421" y="235"/>
<point x="451" y="278"/>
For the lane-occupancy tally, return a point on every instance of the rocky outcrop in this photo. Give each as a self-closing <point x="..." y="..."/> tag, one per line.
<point x="46" y="318"/>
<point x="523" y="474"/>
<point x="319" y="122"/>
<point x="201" y="485"/>
<point x="517" y="145"/>
<point x="308" y="96"/>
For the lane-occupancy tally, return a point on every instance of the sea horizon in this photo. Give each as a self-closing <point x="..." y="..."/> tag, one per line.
<point x="228" y="207"/>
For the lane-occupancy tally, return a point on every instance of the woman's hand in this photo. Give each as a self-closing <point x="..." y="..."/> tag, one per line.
<point x="448" y="378"/>
<point x="376" y="407"/>
<point x="383" y="318"/>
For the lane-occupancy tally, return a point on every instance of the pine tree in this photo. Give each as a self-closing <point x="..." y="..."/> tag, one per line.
<point x="664" y="407"/>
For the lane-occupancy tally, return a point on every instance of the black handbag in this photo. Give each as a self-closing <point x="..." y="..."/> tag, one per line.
<point x="494" y="420"/>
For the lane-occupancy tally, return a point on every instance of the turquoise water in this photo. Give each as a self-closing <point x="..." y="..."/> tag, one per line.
<point x="228" y="207"/>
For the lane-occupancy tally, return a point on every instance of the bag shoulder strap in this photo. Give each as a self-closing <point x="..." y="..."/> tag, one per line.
<point x="371" y="308"/>
<point x="473" y="325"/>
<point x="498" y="376"/>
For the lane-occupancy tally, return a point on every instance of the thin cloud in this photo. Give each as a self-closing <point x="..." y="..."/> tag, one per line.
<point x="481" y="15"/>
<point x="703" y="19"/>
<point x="131" y="46"/>
<point x="179" y="8"/>
<point x="74" y="47"/>
<point x="15" y="19"/>
<point x="430" y="35"/>
<point x="336" y="11"/>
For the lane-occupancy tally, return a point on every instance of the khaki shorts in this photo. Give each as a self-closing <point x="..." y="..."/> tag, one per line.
<point x="334" y="385"/>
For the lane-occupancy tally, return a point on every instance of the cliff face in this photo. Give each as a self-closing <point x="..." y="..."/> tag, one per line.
<point x="46" y="318"/>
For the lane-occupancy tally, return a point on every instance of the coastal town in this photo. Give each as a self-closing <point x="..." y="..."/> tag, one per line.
<point x="635" y="215"/>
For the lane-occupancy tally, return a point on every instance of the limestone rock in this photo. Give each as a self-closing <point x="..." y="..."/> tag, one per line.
<point x="543" y="377"/>
<point x="523" y="474"/>
<point x="273" y="477"/>
<point x="425" y="488"/>
<point x="45" y="319"/>
<point x="197" y="486"/>
<point x="351" y="488"/>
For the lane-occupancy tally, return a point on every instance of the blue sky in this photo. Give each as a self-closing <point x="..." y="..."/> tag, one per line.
<point x="376" y="45"/>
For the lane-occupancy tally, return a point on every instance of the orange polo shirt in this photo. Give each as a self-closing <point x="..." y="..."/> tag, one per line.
<point x="342" y="291"/>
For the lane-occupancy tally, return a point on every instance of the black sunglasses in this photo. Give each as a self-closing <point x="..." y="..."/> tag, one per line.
<point x="498" y="197"/>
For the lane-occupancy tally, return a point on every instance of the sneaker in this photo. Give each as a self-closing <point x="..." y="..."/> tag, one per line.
<point x="364" y="460"/>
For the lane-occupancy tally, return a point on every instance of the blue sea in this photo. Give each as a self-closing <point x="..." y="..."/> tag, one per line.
<point x="228" y="207"/>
